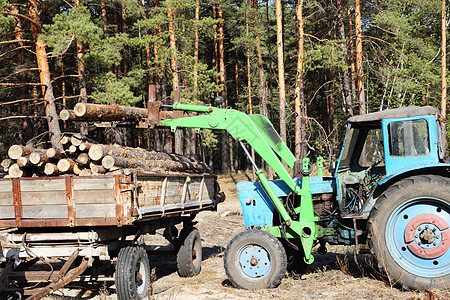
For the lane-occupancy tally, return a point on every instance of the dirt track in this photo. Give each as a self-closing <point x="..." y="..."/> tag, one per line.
<point x="331" y="276"/>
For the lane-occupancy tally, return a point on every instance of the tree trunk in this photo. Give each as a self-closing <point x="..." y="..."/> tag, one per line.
<point x="359" y="58"/>
<point x="171" y="14"/>
<point x="352" y="54"/>
<point x="262" y="75"/>
<point x="348" y="103"/>
<point x="44" y="74"/>
<point x="225" y="138"/>
<point x="281" y="84"/>
<point x="125" y="47"/>
<point x="197" y="18"/>
<point x="82" y="79"/>
<point x="27" y="126"/>
<point x="300" y="110"/>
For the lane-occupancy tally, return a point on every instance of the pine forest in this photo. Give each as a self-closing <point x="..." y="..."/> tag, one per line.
<point x="306" y="65"/>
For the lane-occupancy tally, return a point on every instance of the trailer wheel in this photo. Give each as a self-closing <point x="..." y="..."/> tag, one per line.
<point x="132" y="273"/>
<point x="409" y="232"/>
<point x="255" y="259"/>
<point x="189" y="255"/>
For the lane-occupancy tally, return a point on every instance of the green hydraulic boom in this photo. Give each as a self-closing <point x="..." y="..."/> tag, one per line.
<point x="260" y="134"/>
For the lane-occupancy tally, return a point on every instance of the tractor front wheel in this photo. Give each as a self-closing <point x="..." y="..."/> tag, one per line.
<point x="409" y="232"/>
<point x="255" y="259"/>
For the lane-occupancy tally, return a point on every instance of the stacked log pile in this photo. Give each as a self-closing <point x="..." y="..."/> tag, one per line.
<point x="85" y="159"/>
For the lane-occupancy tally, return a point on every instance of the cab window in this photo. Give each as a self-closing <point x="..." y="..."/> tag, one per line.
<point x="372" y="149"/>
<point x="409" y="138"/>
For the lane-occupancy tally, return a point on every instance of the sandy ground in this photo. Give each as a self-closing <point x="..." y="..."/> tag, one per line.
<point x="332" y="276"/>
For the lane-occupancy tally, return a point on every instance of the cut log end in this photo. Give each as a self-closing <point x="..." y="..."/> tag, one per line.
<point x="65" y="165"/>
<point x="15" y="151"/>
<point x="108" y="162"/>
<point x="22" y="161"/>
<point x="65" y="114"/>
<point x="51" y="169"/>
<point x="6" y="163"/>
<point x="96" y="152"/>
<point x="79" y="109"/>
<point x="15" y="171"/>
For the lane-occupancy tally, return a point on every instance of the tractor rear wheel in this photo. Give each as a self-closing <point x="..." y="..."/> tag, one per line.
<point x="409" y="232"/>
<point x="255" y="259"/>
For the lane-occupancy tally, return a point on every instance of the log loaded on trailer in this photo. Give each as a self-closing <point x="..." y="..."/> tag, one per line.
<point x="101" y="217"/>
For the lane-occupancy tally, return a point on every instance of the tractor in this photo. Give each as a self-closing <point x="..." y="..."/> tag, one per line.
<point x="389" y="189"/>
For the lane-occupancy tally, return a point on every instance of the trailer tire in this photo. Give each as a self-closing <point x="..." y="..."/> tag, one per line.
<point x="255" y="259"/>
<point x="409" y="235"/>
<point x="189" y="255"/>
<point x="132" y="273"/>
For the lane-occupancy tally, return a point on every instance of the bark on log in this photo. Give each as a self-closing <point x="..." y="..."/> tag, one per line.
<point x="99" y="112"/>
<point x="65" y="165"/>
<point x="112" y="161"/>
<point x="16" y="151"/>
<point x="51" y="169"/>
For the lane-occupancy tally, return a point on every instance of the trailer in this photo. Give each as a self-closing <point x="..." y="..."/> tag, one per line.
<point x="99" y="218"/>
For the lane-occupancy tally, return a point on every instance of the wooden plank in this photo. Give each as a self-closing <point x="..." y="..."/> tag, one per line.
<point x="93" y="196"/>
<point x="5" y="185"/>
<point x="7" y="212"/>
<point x="92" y="183"/>
<point x="44" y="211"/>
<point x="37" y="185"/>
<point x="44" y="197"/>
<point x="95" y="211"/>
<point x="6" y="198"/>
<point x="174" y="190"/>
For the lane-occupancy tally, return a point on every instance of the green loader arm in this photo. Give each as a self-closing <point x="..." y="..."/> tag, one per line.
<point x="260" y="134"/>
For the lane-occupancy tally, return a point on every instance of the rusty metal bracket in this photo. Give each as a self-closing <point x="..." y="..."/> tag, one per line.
<point x="17" y="201"/>
<point x="70" y="201"/>
<point x="118" y="200"/>
<point x="64" y="278"/>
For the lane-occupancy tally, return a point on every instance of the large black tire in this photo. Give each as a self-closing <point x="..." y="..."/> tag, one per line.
<point x="132" y="273"/>
<point x="255" y="259"/>
<point x="409" y="235"/>
<point x="189" y="255"/>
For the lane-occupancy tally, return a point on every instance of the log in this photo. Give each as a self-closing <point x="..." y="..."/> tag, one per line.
<point x="76" y="140"/>
<point x="17" y="151"/>
<point x="95" y="152"/>
<point x="85" y="172"/>
<point x="76" y="169"/>
<point x="15" y="171"/>
<point x="100" y="112"/>
<point x="82" y="159"/>
<point x="67" y="115"/>
<point x="55" y="153"/>
<point x="23" y="162"/>
<point x="97" y="169"/>
<point x="38" y="158"/>
<point x="6" y="163"/>
<point x="85" y="146"/>
<point x="65" y="165"/>
<point x="65" y="140"/>
<point x="51" y="169"/>
<point x="72" y="149"/>
<point x="112" y="161"/>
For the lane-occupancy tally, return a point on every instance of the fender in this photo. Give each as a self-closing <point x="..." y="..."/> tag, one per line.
<point x="386" y="181"/>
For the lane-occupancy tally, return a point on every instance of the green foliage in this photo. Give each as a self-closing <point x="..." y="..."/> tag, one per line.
<point x="76" y="24"/>
<point x="115" y="91"/>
